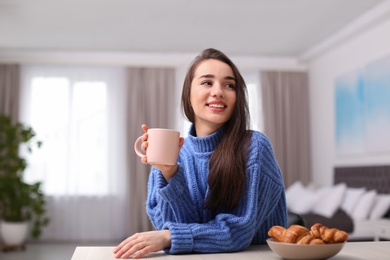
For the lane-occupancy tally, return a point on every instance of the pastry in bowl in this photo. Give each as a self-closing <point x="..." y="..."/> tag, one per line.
<point x="298" y="242"/>
<point x="318" y="234"/>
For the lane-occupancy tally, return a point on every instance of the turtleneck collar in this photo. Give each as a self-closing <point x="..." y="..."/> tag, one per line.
<point x="204" y="144"/>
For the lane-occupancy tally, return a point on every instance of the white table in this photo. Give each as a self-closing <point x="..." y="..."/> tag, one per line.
<point x="352" y="250"/>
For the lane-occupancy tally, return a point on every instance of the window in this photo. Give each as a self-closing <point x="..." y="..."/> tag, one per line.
<point x="70" y="118"/>
<point x="68" y="109"/>
<point x="252" y="80"/>
<point x="79" y="115"/>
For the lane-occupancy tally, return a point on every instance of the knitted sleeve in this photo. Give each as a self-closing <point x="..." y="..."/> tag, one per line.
<point x="169" y="201"/>
<point x="262" y="206"/>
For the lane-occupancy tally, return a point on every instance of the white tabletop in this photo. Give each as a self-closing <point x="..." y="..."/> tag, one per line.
<point x="352" y="250"/>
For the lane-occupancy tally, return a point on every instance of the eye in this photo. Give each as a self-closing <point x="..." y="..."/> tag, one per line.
<point x="231" y="85"/>
<point x="206" y="83"/>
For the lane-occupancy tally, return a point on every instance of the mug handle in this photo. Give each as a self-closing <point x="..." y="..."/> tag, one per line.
<point x="136" y="147"/>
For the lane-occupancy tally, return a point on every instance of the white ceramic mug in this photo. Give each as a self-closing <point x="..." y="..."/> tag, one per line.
<point x="163" y="146"/>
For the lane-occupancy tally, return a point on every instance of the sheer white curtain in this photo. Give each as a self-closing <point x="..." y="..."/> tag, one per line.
<point x="76" y="112"/>
<point x="252" y="81"/>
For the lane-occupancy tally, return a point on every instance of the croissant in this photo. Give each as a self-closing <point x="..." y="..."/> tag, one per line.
<point x="328" y="235"/>
<point x="318" y="234"/>
<point x="295" y="234"/>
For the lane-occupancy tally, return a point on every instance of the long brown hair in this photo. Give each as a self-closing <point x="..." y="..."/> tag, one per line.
<point x="227" y="166"/>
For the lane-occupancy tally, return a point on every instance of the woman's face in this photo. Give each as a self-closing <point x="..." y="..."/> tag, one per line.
<point x="213" y="96"/>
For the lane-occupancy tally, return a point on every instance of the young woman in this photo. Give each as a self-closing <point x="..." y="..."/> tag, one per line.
<point x="226" y="190"/>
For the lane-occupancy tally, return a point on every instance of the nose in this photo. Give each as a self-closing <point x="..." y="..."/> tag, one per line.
<point x="217" y="90"/>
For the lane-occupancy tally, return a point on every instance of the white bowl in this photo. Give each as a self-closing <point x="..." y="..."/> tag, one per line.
<point x="294" y="251"/>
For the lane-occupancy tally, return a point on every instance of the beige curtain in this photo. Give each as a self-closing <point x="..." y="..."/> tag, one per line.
<point x="285" y="107"/>
<point x="9" y="90"/>
<point x="150" y="100"/>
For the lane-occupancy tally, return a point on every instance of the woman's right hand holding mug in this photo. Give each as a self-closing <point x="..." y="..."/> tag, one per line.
<point x="161" y="149"/>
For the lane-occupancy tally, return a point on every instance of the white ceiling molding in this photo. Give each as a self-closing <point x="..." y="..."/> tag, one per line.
<point x="139" y="59"/>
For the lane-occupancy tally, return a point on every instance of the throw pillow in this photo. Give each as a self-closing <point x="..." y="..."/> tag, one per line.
<point x="300" y="199"/>
<point x="293" y="193"/>
<point x="352" y="196"/>
<point x="381" y="206"/>
<point x="363" y="207"/>
<point x="330" y="199"/>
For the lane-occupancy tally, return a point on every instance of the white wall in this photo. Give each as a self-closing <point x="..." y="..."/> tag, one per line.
<point x="354" y="53"/>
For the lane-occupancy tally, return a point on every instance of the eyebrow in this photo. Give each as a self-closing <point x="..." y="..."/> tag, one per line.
<point x="212" y="76"/>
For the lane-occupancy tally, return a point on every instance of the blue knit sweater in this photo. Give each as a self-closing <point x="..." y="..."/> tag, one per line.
<point x="177" y="205"/>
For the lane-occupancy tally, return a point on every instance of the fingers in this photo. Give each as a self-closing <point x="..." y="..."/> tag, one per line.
<point x="181" y="142"/>
<point x="144" y="144"/>
<point x="144" y="159"/>
<point x="144" y="127"/>
<point x="134" y="246"/>
<point x="145" y="137"/>
<point x="140" y="244"/>
<point x="122" y="244"/>
<point x="127" y="248"/>
<point x="135" y="251"/>
<point x="140" y="253"/>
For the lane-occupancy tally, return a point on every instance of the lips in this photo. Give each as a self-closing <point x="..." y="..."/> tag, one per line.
<point x="217" y="104"/>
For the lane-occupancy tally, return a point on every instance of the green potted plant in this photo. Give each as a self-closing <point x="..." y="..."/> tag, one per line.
<point x="21" y="203"/>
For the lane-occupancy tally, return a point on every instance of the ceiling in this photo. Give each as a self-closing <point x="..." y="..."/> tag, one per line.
<point x="246" y="27"/>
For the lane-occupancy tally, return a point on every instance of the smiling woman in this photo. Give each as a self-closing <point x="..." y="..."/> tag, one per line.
<point x="226" y="189"/>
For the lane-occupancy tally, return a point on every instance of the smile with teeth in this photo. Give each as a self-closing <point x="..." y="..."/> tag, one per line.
<point x="216" y="105"/>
